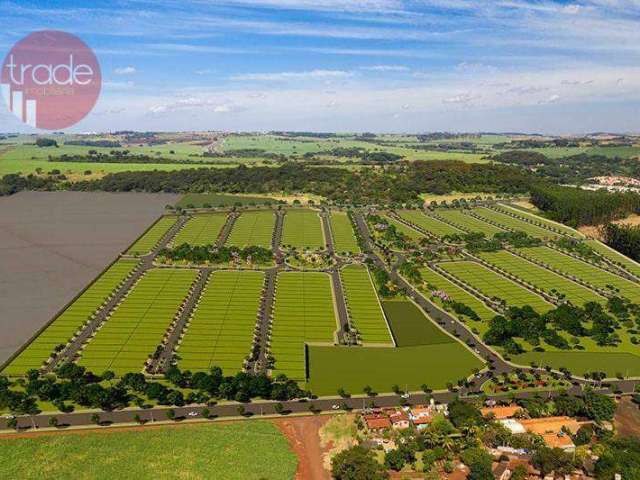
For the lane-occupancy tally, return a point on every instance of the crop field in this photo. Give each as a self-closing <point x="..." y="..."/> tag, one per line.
<point x="514" y="223"/>
<point x="201" y="230"/>
<point x="588" y="273"/>
<point x="492" y="285"/>
<point x="150" y="239"/>
<point x="614" y="256"/>
<point x="303" y="313"/>
<point x="303" y="229"/>
<point x="404" y="229"/>
<point x="428" y="223"/>
<point x="530" y="216"/>
<point x="136" y="327"/>
<point x="410" y="326"/>
<point x="253" y="228"/>
<point x="220" y="331"/>
<point x="227" y="450"/>
<point x="67" y="324"/>
<point x="364" y="308"/>
<point x="467" y="222"/>
<point x="344" y="239"/>
<point x="200" y="200"/>
<point x="542" y="278"/>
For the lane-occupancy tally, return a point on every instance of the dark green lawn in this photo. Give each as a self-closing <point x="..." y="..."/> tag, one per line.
<point x="411" y="327"/>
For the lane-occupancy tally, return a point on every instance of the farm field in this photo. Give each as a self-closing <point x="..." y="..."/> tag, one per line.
<point x="136" y="327"/>
<point x="514" y="223"/>
<point x="171" y="452"/>
<point x="404" y="229"/>
<point x="201" y="230"/>
<point x="303" y="229"/>
<point x="64" y="327"/>
<point x="220" y="331"/>
<point x="467" y="222"/>
<point x="542" y="278"/>
<point x="410" y="326"/>
<point x="536" y="218"/>
<point x="588" y="273"/>
<point x="365" y="311"/>
<point x="253" y="228"/>
<point x="428" y="223"/>
<point x="614" y="256"/>
<point x="150" y="239"/>
<point x="200" y="200"/>
<point x="303" y="313"/>
<point x="492" y="285"/>
<point x="344" y="239"/>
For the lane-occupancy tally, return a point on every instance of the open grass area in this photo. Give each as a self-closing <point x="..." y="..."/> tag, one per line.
<point x="612" y="363"/>
<point x="588" y="273"/>
<point x="220" y="332"/>
<point x="542" y="278"/>
<point x="352" y="368"/>
<point x="428" y="223"/>
<point x="365" y="311"/>
<point x="616" y="257"/>
<point x="303" y="312"/>
<point x="72" y="319"/>
<point x="253" y="228"/>
<point x="411" y="233"/>
<point x="136" y="327"/>
<point x="411" y="327"/>
<point x="303" y="230"/>
<point x="493" y="285"/>
<point x="201" y="230"/>
<point x="240" y="451"/>
<point x="344" y="239"/>
<point x="514" y="223"/>
<point x="538" y="219"/>
<point x="150" y="239"/>
<point x="206" y="200"/>
<point x="467" y="222"/>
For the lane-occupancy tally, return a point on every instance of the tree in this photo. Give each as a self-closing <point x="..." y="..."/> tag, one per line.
<point x="356" y="463"/>
<point x="599" y="407"/>
<point x="480" y="471"/>
<point x="205" y="413"/>
<point x="241" y="410"/>
<point x="549" y="460"/>
<point x="520" y="473"/>
<point x="279" y="408"/>
<point x="171" y="414"/>
<point x="53" y="422"/>
<point x="394" y="459"/>
<point x="95" y="418"/>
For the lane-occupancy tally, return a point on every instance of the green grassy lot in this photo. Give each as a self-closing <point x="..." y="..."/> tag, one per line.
<point x="151" y="237"/>
<point x="614" y="256"/>
<point x="365" y="312"/>
<point x="67" y="324"/>
<point x="588" y="273"/>
<point x="428" y="223"/>
<point x="199" y="200"/>
<point x="579" y="363"/>
<point x="542" y="278"/>
<point x="303" y="312"/>
<point x="492" y="285"/>
<point x="514" y="223"/>
<point x="610" y="152"/>
<point x="220" y="332"/>
<point x="467" y="222"/>
<point x="353" y="368"/>
<point x="344" y="239"/>
<point x="201" y="230"/>
<point x="404" y="229"/>
<point x="243" y="451"/>
<point x="411" y="327"/>
<point x="138" y="324"/>
<point x="303" y="229"/>
<point x="253" y="228"/>
<point x="540" y="220"/>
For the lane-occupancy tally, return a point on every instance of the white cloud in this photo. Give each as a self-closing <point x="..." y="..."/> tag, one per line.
<point x="279" y="76"/>
<point x="386" y="68"/>
<point x="463" y="98"/>
<point x="128" y="70"/>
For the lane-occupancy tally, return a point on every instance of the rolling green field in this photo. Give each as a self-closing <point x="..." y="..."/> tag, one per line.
<point x="303" y="229"/>
<point x="365" y="312"/>
<point x="588" y="273"/>
<point x="411" y="327"/>
<point x="67" y="324"/>
<point x="344" y="239"/>
<point x="467" y="222"/>
<point x="150" y="239"/>
<point x="253" y="228"/>
<point x="429" y="224"/>
<point x="610" y="152"/>
<point x="201" y="230"/>
<point x="514" y="223"/>
<point x="540" y="220"/>
<point x="238" y="451"/>
<point x="542" y="278"/>
<point x="614" y="256"/>
<point x="138" y="324"/>
<point x="492" y="285"/>
<point x="200" y="200"/>
<point x="303" y="312"/>
<point x="220" y="332"/>
<point x="411" y="233"/>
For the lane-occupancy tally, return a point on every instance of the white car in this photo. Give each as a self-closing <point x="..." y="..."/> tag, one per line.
<point x="192" y="414"/>
<point x="405" y="395"/>
<point x="335" y="407"/>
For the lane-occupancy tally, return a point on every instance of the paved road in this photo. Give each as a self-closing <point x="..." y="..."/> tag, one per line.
<point x="261" y="345"/>
<point x="326" y="227"/>
<point x="226" y="229"/>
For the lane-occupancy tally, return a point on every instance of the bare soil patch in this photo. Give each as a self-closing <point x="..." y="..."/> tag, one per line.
<point x="593" y="231"/>
<point x="627" y="419"/>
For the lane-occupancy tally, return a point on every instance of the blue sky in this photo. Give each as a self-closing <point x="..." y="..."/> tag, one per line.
<point x="345" y="65"/>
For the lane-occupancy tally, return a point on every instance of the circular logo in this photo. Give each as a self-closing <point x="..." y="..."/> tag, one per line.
<point x="50" y="80"/>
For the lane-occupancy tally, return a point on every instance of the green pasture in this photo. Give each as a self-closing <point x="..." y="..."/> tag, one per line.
<point x="344" y="239"/>
<point x="429" y="223"/>
<point x="220" y="331"/>
<point x="609" y="152"/>
<point x="467" y="223"/>
<point x="513" y="223"/>
<point x="411" y="233"/>
<point x="137" y="326"/>
<point x="616" y="257"/>
<point x="411" y="327"/>
<point x="539" y="220"/>
<point x="253" y="228"/>
<point x="201" y="230"/>
<point x="150" y="239"/>
<point x="579" y="363"/>
<point x="303" y="230"/>
<point x="65" y="326"/>
<point x="303" y="313"/>
<point x="365" y="311"/>
<point x="234" y="451"/>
